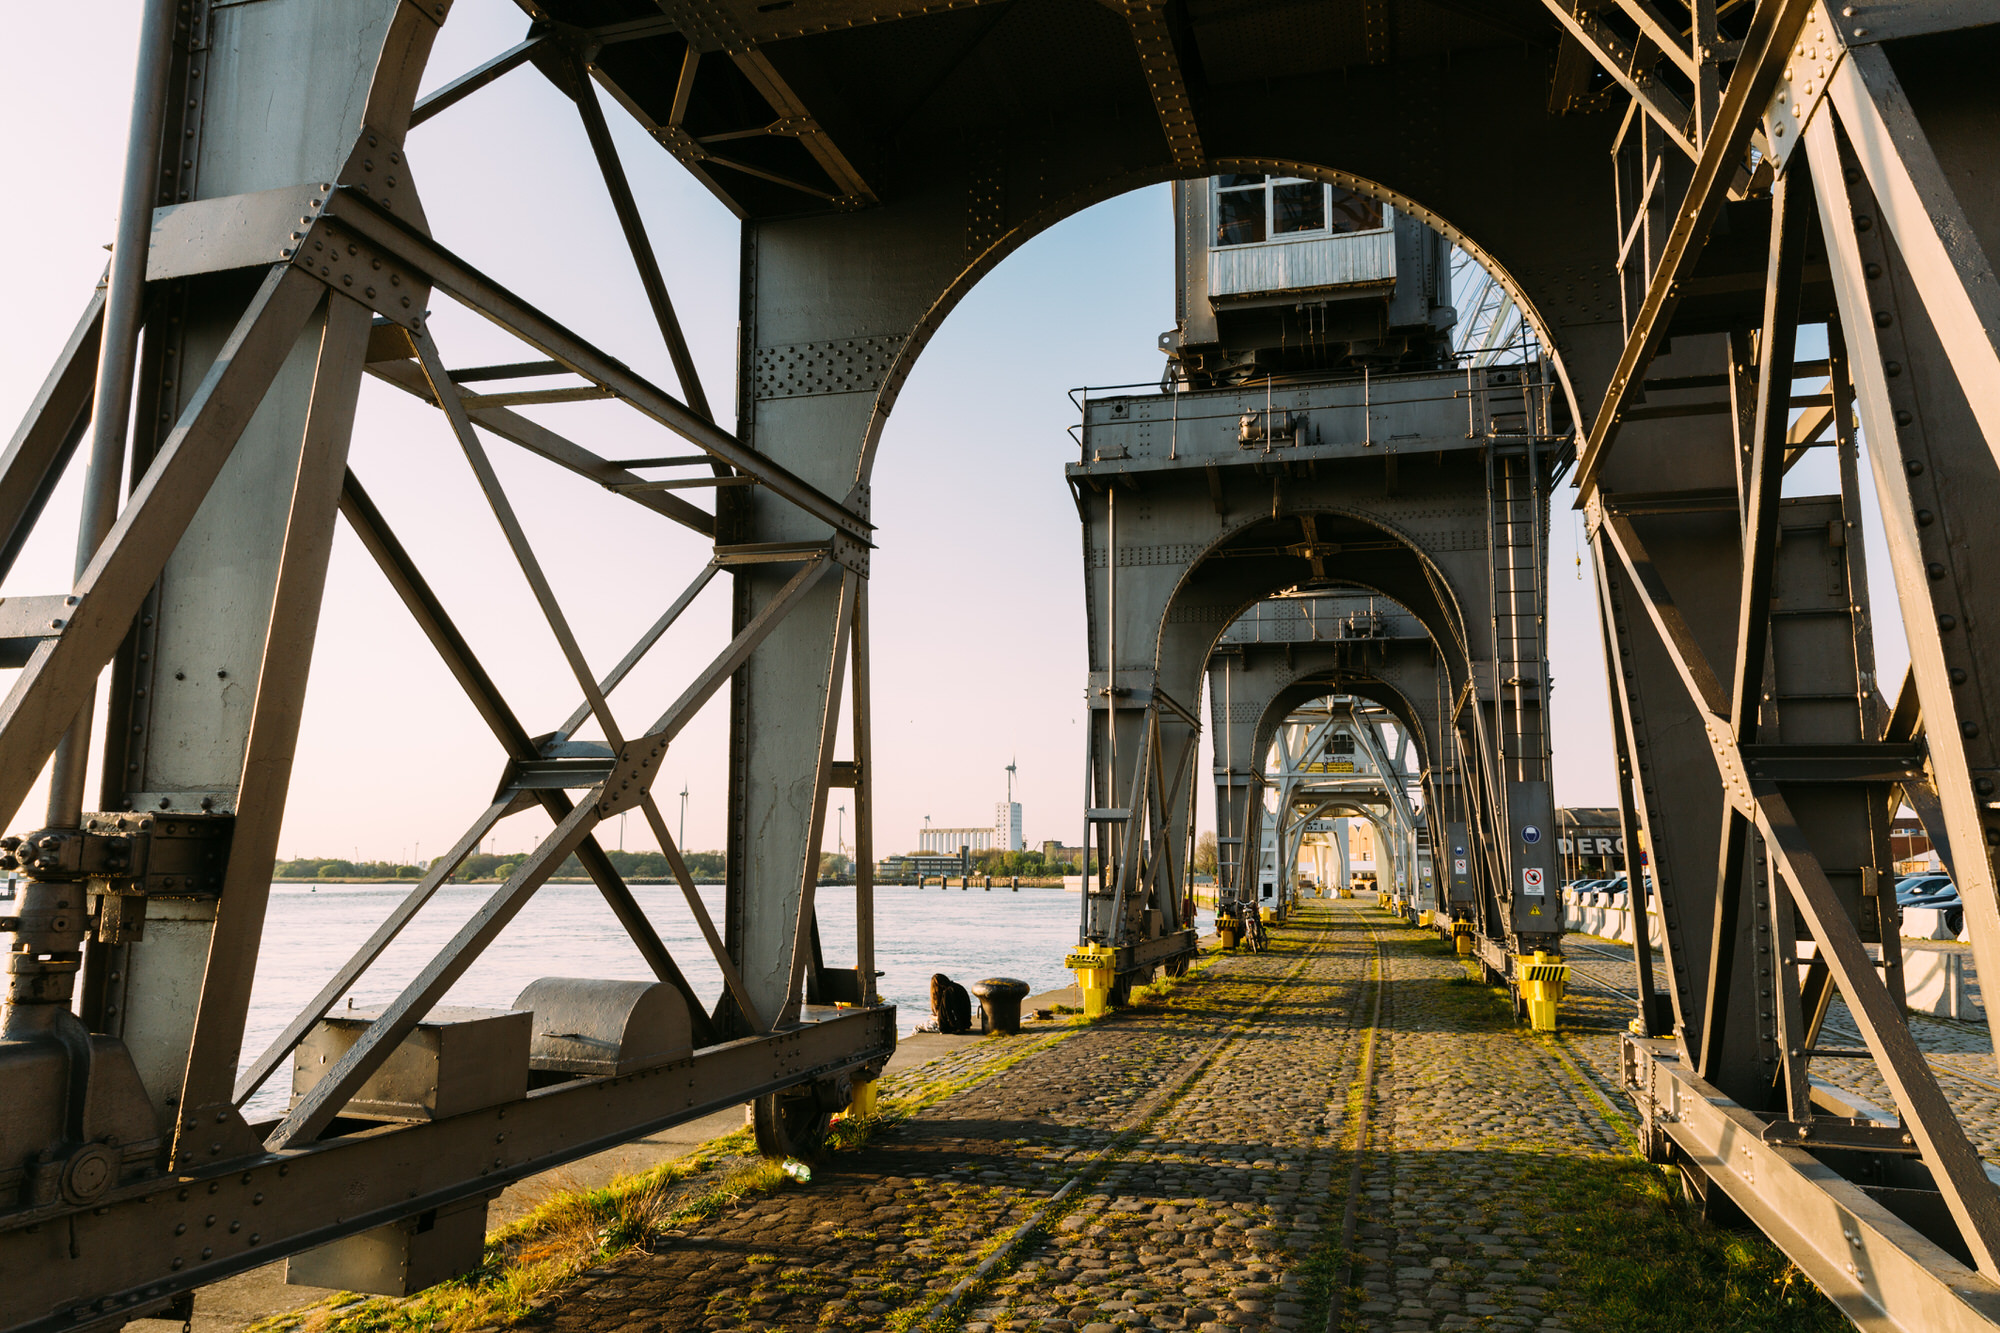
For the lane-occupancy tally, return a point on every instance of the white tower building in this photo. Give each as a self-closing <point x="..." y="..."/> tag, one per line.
<point x="1007" y="825"/>
<point x="1007" y="817"/>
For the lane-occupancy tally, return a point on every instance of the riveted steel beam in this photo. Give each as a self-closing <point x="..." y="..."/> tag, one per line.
<point x="294" y="1199"/>
<point x="1618" y="58"/>
<point x="1773" y="27"/>
<point x="1153" y="39"/>
<point x="481" y="294"/>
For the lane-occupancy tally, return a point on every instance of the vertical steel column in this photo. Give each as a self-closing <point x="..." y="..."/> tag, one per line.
<point x="1790" y="204"/>
<point x="864" y="802"/>
<point x="216" y="1040"/>
<point x="191" y="680"/>
<point x="124" y="310"/>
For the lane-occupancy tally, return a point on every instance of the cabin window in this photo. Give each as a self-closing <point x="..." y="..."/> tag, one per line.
<point x="1250" y="209"/>
<point x="1353" y="212"/>
<point x="1298" y="206"/>
<point x="1239" y="209"/>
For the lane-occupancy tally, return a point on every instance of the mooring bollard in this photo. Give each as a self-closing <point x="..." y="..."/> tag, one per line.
<point x="1000" y="1001"/>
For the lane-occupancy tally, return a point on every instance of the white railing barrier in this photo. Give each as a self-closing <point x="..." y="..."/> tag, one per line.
<point x="1939" y="982"/>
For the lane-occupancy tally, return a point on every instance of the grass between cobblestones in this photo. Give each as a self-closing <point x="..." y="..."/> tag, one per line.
<point x="1619" y="1250"/>
<point x="929" y="1315"/>
<point x="529" y="1261"/>
<point x="1637" y="1258"/>
<point x="1329" y="1263"/>
<point x="1633" y="1254"/>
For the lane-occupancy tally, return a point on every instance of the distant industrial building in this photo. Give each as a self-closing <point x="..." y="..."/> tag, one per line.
<point x="1007" y="825"/>
<point x="1590" y="842"/>
<point x="910" y="869"/>
<point x="1004" y="834"/>
<point x="1055" y="851"/>
<point x="1911" y="847"/>
<point x="947" y="841"/>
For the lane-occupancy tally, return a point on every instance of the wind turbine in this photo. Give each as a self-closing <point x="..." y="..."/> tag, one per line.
<point x="1006" y="829"/>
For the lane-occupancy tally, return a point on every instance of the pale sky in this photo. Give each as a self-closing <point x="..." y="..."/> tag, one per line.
<point x="977" y="600"/>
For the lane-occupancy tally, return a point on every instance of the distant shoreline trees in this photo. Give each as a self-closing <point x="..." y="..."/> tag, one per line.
<point x="705" y="867"/>
<point x="1026" y="864"/>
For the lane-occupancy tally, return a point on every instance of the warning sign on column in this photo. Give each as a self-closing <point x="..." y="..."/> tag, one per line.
<point x="1531" y="881"/>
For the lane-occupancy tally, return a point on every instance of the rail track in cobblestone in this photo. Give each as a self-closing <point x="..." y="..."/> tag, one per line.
<point x="1039" y="1224"/>
<point x="1196" y="1141"/>
<point x="1361" y="1098"/>
<point x="1345" y="1132"/>
<point x="1076" y="1243"/>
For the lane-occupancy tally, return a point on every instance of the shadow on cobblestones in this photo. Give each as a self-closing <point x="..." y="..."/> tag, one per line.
<point x="1502" y="1190"/>
<point x="1207" y="1141"/>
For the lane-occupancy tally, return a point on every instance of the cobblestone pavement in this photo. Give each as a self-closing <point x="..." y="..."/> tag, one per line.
<point x="912" y="1212"/>
<point x="1471" y="1117"/>
<point x="1960" y="1053"/>
<point x="1200" y="1223"/>
<point x="1186" y="1167"/>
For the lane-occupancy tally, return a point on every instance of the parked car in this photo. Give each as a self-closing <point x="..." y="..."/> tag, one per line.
<point x="1933" y="891"/>
<point x="1913" y="890"/>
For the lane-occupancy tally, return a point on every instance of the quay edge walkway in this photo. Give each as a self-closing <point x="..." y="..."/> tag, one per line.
<point x="1342" y="1132"/>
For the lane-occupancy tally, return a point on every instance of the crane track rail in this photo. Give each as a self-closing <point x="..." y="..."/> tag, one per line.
<point x="1362" y="1096"/>
<point x="1040" y="1223"/>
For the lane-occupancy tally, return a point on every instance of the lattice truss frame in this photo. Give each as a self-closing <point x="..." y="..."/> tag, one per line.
<point x="347" y="266"/>
<point x="1804" y="113"/>
<point x="1301" y="788"/>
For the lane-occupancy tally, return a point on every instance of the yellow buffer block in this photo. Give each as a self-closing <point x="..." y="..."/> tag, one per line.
<point x="863" y="1101"/>
<point x="1461" y="938"/>
<point x="1424" y="920"/>
<point x="1543" y="982"/>
<point x="1092" y="964"/>
<point x="1266" y="915"/>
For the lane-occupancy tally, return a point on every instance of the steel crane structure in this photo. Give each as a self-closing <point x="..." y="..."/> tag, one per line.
<point x="1666" y="190"/>
<point x="1294" y="651"/>
<point x="1315" y="431"/>
<point x="1330" y="760"/>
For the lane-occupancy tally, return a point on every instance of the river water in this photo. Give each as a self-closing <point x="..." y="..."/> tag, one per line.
<point x="567" y="931"/>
